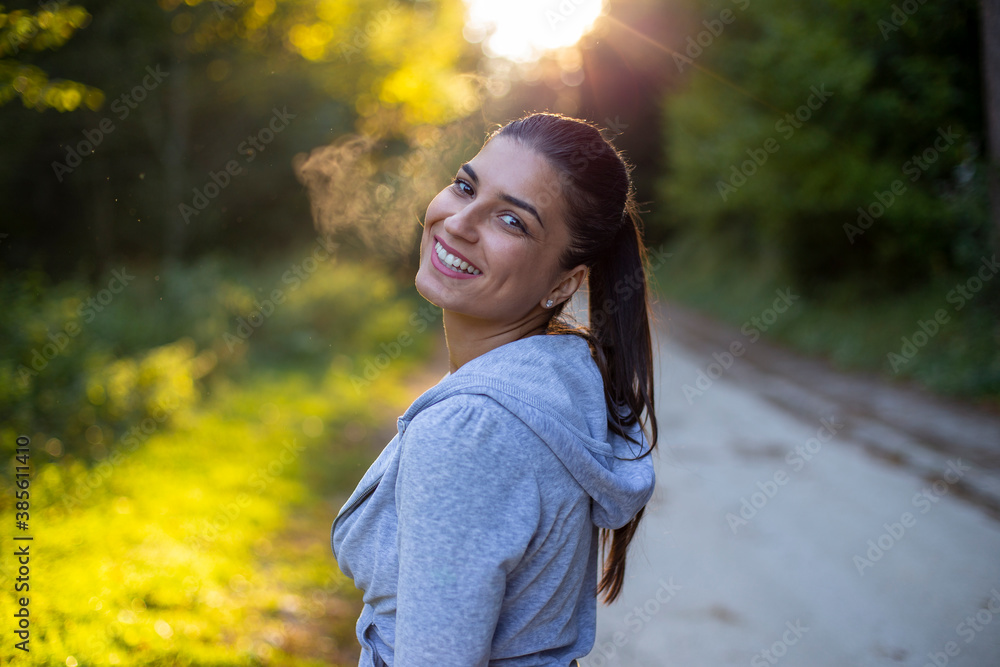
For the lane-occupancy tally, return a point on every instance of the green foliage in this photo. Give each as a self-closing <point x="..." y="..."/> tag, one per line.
<point x="177" y="554"/>
<point x="183" y="155"/>
<point x="828" y="105"/>
<point x="201" y="538"/>
<point x="85" y="378"/>
<point x="855" y="326"/>
<point x="48" y="28"/>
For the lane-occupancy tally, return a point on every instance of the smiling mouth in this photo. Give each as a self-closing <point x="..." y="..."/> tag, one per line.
<point x="452" y="262"/>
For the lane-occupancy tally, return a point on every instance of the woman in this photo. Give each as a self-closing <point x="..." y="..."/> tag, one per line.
<point x="474" y="535"/>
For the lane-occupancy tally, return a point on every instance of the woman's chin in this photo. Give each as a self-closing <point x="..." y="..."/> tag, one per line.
<point x="428" y="287"/>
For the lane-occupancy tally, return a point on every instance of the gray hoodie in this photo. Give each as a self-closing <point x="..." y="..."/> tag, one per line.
<point x="474" y="533"/>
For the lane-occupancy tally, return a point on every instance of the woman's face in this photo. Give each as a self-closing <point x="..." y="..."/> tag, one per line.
<point x="493" y="238"/>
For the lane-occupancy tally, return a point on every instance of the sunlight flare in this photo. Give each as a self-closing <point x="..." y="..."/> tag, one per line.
<point x="524" y="30"/>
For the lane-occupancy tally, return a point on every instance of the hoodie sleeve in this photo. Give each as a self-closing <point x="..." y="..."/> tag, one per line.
<point x="468" y="504"/>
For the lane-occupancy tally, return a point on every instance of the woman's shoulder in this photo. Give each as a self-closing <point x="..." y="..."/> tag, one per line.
<point x="465" y="414"/>
<point x="466" y="432"/>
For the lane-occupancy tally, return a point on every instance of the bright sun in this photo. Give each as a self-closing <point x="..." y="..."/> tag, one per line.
<point x="523" y="30"/>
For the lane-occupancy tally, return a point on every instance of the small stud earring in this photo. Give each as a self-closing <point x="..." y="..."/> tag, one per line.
<point x="548" y="304"/>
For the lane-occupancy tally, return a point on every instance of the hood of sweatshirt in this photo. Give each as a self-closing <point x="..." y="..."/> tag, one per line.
<point x="552" y="384"/>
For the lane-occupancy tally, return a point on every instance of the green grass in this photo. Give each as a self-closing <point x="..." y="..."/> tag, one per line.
<point x="208" y="542"/>
<point x="855" y="326"/>
<point x="207" y="546"/>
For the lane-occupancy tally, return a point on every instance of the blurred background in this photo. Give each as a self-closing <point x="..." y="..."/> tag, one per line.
<point x="209" y="231"/>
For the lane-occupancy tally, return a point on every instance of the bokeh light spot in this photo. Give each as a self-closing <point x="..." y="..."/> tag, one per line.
<point x="218" y="69"/>
<point x="312" y="426"/>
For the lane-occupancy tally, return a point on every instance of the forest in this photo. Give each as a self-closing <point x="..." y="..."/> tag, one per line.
<point x="211" y="211"/>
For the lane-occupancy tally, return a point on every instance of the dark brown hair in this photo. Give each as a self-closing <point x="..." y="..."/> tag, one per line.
<point x="595" y="185"/>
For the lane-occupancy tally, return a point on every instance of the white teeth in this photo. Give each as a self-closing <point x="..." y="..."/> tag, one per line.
<point x="457" y="263"/>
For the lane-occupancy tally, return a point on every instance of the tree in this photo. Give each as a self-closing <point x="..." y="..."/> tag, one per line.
<point x="166" y="165"/>
<point x="990" y="17"/>
<point x="838" y="138"/>
<point x="23" y="32"/>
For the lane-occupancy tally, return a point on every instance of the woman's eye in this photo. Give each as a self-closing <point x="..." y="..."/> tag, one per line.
<point x="463" y="187"/>
<point x="512" y="221"/>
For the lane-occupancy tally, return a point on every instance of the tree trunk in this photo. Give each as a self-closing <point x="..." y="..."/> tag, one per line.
<point x="102" y="206"/>
<point x="990" y="15"/>
<point x="174" y="151"/>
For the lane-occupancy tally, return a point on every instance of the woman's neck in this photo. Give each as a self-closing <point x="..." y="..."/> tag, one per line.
<point x="469" y="337"/>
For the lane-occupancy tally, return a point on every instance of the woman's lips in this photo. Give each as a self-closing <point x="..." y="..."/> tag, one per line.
<point x="450" y="263"/>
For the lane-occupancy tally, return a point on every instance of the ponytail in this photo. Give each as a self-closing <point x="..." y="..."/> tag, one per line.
<point x="619" y="323"/>
<point x="619" y="327"/>
<point x="604" y="227"/>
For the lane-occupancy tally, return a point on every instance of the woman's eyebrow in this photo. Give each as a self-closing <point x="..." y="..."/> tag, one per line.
<point x="522" y="204"/>
<point x="467" y="168"/>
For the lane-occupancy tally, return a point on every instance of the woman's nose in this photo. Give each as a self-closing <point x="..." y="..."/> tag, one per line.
<point x="464" y="222"/>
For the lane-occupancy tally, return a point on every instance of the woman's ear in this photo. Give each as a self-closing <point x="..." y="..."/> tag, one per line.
<point x="567" y="287"/>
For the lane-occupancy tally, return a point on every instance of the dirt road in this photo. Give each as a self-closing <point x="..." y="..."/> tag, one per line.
<point x="807" y="517"/>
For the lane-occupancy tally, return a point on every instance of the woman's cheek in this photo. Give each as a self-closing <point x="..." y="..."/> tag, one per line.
<point x="436" y="209"/>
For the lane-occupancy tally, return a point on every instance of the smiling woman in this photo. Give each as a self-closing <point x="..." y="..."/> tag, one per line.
<point x="516" y="256"/>
<point x="475" y="534"/>
<point x="523" y="30"/>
